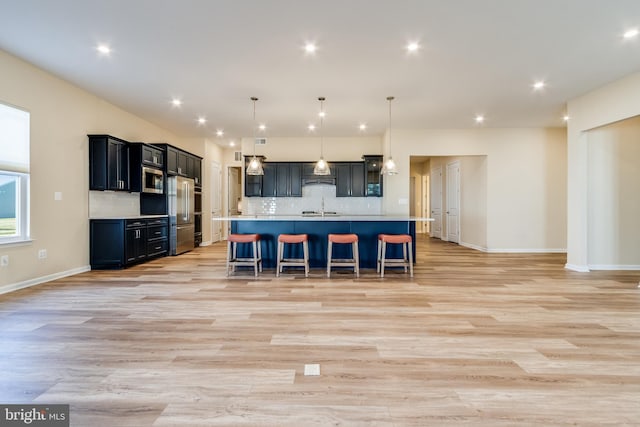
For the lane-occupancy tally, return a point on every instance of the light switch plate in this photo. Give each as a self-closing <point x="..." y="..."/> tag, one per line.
<point x="57" y="195"/>
<point x="312" y="370"/>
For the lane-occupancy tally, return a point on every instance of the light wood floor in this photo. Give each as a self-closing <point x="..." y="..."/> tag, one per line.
<point x="473" y="339"/>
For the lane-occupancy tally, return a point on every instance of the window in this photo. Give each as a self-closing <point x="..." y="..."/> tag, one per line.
<point x="14" y="174"/>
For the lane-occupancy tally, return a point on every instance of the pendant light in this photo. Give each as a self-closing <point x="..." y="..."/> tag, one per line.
<point x="389" y="166"/>
<point x="321" y="167"/>
<point x="255" y="165"/>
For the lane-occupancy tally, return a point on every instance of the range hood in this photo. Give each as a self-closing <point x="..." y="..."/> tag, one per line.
<point x="315" y="180"/>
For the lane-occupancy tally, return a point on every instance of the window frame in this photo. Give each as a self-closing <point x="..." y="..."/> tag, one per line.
<point x="23" y="189"/>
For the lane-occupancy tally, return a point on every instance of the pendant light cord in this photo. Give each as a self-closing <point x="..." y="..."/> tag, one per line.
<point x="390" y="98"/>
<point x="321" y="99"/>
<point x="254" y="99"/>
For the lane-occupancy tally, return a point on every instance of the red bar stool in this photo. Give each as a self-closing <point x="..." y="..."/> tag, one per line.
<point x="405" y="241"/>
<point x="232" y="251"/>
<point x="293" y="262"/>
<point x="351" y="262"/>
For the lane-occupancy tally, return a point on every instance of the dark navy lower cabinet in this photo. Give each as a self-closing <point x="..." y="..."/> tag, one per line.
<point x="118" y="243"/>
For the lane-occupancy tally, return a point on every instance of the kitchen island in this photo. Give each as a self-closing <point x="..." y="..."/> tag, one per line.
<point x="317" y="227"/>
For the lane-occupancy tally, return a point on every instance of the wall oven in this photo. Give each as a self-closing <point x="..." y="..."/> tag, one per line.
<point x="152" y="180"/>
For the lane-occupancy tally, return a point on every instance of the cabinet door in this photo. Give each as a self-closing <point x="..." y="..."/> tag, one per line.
<point x="117" y="165"/>
<point x="343" y="179"/>
<point x="283" y="181"/>
<point x="191" y="168"/>
<point x="97" y="163"/>
<point x="295" y="170"/>
<point x="152" y="156"/>
<point x="135" y="244"/>
<point x="357" y="179"/>
<point x="269" y="180"/>
<point x="183" y="163"/>
<point x="172" y="161"/>
<point x="373" y="179"/>
<point x="197" y="171"/>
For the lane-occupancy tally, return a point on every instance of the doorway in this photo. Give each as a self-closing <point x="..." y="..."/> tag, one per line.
<point x="216" y="202"/>
<point x="436" y="202"/>
<point x="453" y="202"/>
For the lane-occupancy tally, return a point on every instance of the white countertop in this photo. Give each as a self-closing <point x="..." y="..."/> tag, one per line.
<point x="322" y="218"/>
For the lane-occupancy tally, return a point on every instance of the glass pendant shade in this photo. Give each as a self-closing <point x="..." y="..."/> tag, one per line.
<point x="321" y="168"/>
<point x="389" y="167"/>
<point x="255" y="167"/>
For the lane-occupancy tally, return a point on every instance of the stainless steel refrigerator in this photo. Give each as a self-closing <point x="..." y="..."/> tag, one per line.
<point x="180" y="192"/>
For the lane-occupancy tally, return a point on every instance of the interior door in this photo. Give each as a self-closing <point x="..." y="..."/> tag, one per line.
<point x="436" y="202"/>
<point x="453" y="202"/>
<point x="216" y="202"/>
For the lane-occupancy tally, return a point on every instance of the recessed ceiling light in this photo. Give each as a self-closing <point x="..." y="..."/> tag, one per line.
<point x="362" y="126"/>
<point x="539" y="85"/>
<point x="413" y="47"/>
<point x="310" y="47"/>
<point x="219" y="132"/>
<point x="311" y="127"/>
<point x="566" y="118"/>
<point x="322" y="114"/>
<point x="232" y="144"/>
<point x="629" y="34"/>
<point x="202" y="120"/>
<point x="176" y="102"/>
<point x="262" y="127"/>
<point x="103" y="49"/>
<point x="479" y="118"/>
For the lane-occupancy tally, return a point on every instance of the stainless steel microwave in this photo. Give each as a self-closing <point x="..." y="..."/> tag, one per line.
<point x="152" y="180"/>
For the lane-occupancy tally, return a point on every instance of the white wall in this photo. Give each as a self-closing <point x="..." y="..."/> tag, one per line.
<point x="613" y="196"/>
<point x="526" y="181"/>
<point x="611" y="103"/>
<point x="61" y="117"/>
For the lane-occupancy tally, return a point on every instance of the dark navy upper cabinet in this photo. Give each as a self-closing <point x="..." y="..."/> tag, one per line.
<point x="373" y="179"/>
<point x="108" y="163"/>
<point x="349" y="179"/>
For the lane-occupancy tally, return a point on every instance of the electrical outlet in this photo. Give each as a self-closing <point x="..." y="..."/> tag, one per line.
<point x="4" y="260"/>
<point x="42" y="253"/>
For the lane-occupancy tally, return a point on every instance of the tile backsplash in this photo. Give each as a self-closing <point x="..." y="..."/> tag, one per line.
<point x="112" y="204"/>
<point x="312" y="200"/>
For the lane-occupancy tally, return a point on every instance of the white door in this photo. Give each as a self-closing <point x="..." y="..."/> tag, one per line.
<point x="425" y="203"/>
<point x="233" y="190"/>
<point x="216" y="202"/>
<point x="436" y="202"/>
<point x="453" y="202"/>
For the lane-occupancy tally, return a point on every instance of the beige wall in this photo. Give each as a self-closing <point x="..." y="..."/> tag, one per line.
<point x="61" y="117"/>
<point x="307" y="149"/>
<point x="613" y="195"/>
<point x="611" y="103"/>
<point x="526" y="181"/>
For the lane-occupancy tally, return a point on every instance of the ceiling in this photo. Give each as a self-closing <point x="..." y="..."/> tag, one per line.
<point x="475" y="57"/>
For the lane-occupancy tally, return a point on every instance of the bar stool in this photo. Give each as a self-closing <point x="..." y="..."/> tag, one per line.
<point x="351" y="262"/>
<point x="293" y="262"/>
<point x="405" y="241"/>
<point x="232" y="252"/>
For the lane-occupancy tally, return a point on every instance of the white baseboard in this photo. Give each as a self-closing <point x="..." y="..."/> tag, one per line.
<point x="207" y="243"/>
<point x="514" y="251"/>
<point x="529" y="251"/>
<point x="613" y="267"/>
<point x="472" y="246"/>
<point x="578" y="268"/>
<point x="38" y="280"/>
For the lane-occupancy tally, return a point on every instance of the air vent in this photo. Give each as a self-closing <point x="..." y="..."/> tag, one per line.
<point x="261" y="141"/>
<point x="237" y="155"/>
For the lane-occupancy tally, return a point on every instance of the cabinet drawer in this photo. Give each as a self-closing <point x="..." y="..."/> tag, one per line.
<point x="159" y="221"/>
<point x="157" y="248"/>
<point x="136" y="223"/>
<point x="157" y="232"/>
